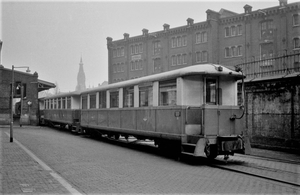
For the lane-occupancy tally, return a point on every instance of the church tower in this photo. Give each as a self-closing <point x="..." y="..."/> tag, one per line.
<point x="80" y="77"/>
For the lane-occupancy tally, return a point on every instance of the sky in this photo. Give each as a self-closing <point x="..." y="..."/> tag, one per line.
<point x="51" y="36"/>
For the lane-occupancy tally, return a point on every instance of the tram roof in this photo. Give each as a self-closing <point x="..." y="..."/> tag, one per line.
<point x="65" y="94"/>
<point x="203" y="69"/>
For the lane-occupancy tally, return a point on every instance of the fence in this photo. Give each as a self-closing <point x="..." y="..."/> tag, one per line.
<point x="276" y="66"/>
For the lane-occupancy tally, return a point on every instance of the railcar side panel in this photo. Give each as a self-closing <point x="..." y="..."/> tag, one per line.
<point x="93" y="117"/>
<point x="146" y="119"/>
<point x="169" y="120"/>
<point x="84" y="117"/>
<point x="103" y="118"/>
<point x="128" y="119"/>
<point x="61" y="116"/>
<point x="114" y="119"/>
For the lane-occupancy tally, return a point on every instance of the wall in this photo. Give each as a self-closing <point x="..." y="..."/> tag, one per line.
<point x="273" y="112"/>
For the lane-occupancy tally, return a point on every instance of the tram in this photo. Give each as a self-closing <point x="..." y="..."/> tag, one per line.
<point x="192" y="110"/>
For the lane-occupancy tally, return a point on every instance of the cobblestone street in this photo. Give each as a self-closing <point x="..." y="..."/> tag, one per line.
<point x="98" y="167"/>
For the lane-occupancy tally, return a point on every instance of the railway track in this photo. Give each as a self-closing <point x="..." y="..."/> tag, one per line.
<point x="283" y="171"/>
<point x="278" y="170"/>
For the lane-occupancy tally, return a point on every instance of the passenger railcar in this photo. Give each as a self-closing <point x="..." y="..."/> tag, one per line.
<point x="192" y="110"/>
<point x="63" y="109"/>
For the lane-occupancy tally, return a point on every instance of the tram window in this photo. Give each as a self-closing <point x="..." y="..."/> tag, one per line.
<point x="167" y="93"/>
<point x="59" y="103"/>
<point x="68" y="102"/>
<point x="146" y="96"/>
<point x="84" y="102"/>
<point x="93" y="101"/>
<point x="114" y="99"/>
<point x="102" y="99"/>
<point x="128" y="97"/>
<point x="63" y="103"/>
<point x="55" y="104"/>
<point x="211" y="91"/>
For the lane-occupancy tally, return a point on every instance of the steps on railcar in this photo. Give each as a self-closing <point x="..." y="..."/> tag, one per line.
<point x="188" y="148"/>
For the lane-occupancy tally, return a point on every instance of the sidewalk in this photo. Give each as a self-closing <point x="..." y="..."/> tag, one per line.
<point x="21" y="174"/>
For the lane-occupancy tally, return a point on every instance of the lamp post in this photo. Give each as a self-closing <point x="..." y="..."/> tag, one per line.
<point x="12" y="99"/>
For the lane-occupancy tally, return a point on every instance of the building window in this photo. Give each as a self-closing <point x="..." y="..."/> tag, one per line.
<point x="122" y="67"/>
<point x="173" y="42"/>
<point x="233" y="51"/>
<point x="167" y="93"/>
<point x="174" y="60"/>
<point x="136" y="65"/>
<point x="296" y="19"/>
<point x="179" y="59"/>
<point x="296" y="43"/>
<point x="179" y="41"/>
<point x="184" y="40"/>
<point x="118" y="52"/>
<point x="128" y="97"/>
<point x="102" y="99"/>
<point x="267" y="28"/>
<point x="198" y="56"/>
<point x="114" y="53"/>
<point x="84" y="102"/>
<point x="239" y="50"/>
<point x="201" y="56"/>
<point x="156" y="47"/>
<point x="140" y="48"/>
<point x="114" y="99"/>
<point x="239" y="29"/>
<point x="184" y="59"/>
<point x="233" y="30"/>
<point x="157" y="64"/>
<point x="118" y="67"/>
<point x="92" y="101"/>
<point x="141" y="64"/>
<point x="227" y="32"/>
<point x="227" y="52"/>
<point x="136" y="48"/>
<point x="201" y="37"/>
<point x="204" y="56"/>
<point x="146" y="96"/>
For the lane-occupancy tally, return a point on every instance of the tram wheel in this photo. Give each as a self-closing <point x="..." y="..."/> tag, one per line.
<point x="211" y="151"/>
<point x="117" y="136"/>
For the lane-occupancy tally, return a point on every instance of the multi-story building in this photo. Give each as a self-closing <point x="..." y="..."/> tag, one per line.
<point x="225" y="37"/>
<point x="264" y="43"/>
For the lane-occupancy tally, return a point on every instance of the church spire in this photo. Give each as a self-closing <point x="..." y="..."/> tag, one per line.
<point x="80" y="77"/>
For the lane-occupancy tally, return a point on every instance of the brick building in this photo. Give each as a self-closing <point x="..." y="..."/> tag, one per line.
<point x="26" y="88"/>
<point x="225" y="37"/>
<point x="265" y="43"/>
